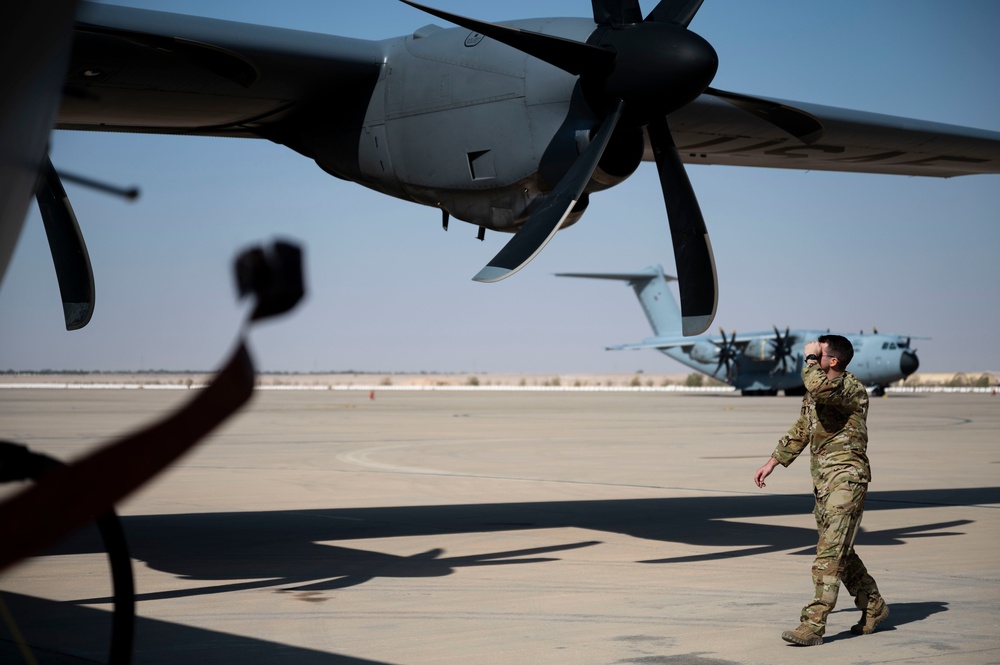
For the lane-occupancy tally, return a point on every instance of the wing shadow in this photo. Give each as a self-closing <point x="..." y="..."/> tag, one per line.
<point x="292" y="549"/>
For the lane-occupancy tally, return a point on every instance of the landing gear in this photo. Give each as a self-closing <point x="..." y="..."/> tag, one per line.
<point x="759" y="393"/>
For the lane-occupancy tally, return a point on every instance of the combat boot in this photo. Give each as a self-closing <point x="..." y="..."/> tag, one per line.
<point x="803" y="636"/>
<point x="871" y="616"/>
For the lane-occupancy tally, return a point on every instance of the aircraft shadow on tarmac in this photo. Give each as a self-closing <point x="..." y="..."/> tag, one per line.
<point x="290" y="551"/>
<point x="75" y="635"/>
<point x="45" y="622"/>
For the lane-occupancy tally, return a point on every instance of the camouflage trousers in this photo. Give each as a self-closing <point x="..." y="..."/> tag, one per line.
<point x="838" y="516"/>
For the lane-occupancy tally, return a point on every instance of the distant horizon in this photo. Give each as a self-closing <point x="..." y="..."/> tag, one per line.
<point x="73" y="372"/>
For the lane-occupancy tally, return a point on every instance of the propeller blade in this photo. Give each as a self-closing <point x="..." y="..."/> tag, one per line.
<point x="722" y="351"/>
<point x="675" y="11"/>
<point x="733" y="357"/>
<point x="803" y="126"/>
<point x="617" y="12"/>
<point x="69" y="252"/>
<point x="728" y="355"/>
<point x="696" y="275"/>
<point x="571" y="56"/>
<point x="725" y="352"/>
<point x="782" y="350"/>
<point x="651" y="69"/>
<point x="545" y="221"/>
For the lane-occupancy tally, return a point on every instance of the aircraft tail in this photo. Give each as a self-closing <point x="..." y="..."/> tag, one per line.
<point x="650" y="286"/>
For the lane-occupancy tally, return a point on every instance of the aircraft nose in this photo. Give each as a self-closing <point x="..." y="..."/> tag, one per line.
<point x="908" y="363"/>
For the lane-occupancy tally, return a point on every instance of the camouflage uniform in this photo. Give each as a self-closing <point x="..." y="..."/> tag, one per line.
<point x="833" y="423"/>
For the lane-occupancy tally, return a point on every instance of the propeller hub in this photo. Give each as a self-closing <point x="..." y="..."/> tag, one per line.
<point x="659" y="68"/>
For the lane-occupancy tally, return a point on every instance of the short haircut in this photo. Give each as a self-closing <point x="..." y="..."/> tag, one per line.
<point x="840" y="347"/>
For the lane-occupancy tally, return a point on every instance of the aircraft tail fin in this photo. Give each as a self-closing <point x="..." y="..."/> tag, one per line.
<point x="650" y="286"/>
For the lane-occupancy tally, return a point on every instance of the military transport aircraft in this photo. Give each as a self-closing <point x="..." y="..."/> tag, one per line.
<point x="509" y="126"/>
<point x="760" y="363"/>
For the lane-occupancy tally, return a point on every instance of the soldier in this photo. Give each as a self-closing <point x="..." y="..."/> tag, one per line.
<point x="833" y="423"/>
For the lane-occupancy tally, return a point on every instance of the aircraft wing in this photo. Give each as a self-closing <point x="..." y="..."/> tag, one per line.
<point x="145" y="71"/>
<point x="738" y="342"/>
<point x="716" y="129"/>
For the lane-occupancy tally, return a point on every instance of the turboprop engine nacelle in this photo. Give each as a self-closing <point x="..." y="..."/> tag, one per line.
<point x="705" y="352"/>
<point x="759" y="349"/>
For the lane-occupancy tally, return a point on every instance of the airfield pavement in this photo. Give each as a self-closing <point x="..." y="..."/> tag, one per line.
<point x="321" y="527"/>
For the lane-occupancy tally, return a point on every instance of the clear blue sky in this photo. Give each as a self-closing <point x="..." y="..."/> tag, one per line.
<point x="390" y="291"/>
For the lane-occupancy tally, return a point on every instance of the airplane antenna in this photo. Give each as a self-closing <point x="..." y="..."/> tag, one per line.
<point x="130" y="193"/>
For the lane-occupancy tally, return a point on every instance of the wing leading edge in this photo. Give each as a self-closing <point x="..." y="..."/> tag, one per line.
<point x="146" y="71"/>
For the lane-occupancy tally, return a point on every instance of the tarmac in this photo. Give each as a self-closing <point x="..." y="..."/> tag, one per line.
<point x="328" y="527"/>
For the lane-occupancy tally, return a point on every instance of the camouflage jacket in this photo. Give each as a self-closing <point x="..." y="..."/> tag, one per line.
<point x="833" y="423"/>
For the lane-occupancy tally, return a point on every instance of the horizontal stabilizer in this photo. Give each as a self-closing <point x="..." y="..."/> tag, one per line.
<point x="651" y="287"/>
<point x="620" y="276"/>
<point x="652" y="344"/>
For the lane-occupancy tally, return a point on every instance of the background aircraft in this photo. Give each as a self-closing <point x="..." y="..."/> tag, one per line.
<point x="509" y="127"/>
<point x="163" y="303"/>
<point x="759" y="363"/>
